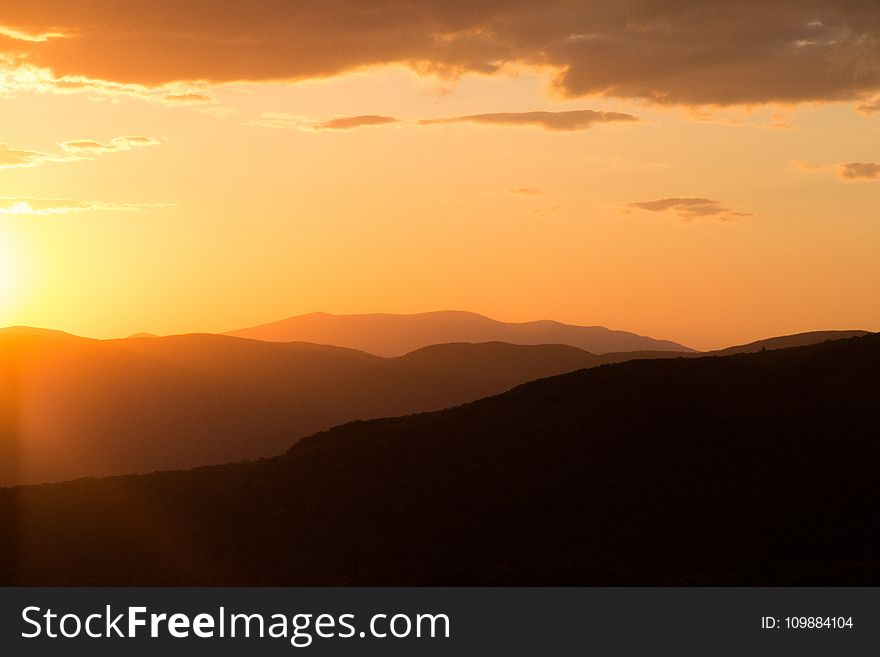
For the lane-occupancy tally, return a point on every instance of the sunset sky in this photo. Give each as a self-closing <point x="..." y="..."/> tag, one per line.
<point x="705" y="172"/>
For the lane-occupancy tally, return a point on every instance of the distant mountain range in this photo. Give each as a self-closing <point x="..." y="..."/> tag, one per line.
<point x="393" y="335"/>
<point x="73" y="407"/>
<point x="755" y="468"/>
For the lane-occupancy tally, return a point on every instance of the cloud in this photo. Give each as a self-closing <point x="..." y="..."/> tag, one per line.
<point x="14" y="157"/>
<point x="280" y="120"/>
<point x="285" y="120"/>
<point x="708" y="52"/>
<point x="74" y="150"/>
<point x="778" y="121"/>
<point x="24" y="205"/>
<point x="527" y="191"/>
<point x="188" y="97"/>
<point x="803" y="165"/>
<point x="18" y="35"/>
<point x="555" y="121"/>
<point x="859" y="171"/>
<point x="690" y="208"/>
<point x="117" y="144"/>
<point x="17" y="76"/>
<point x="351" y="122"/>
<point x="869" y="106"/>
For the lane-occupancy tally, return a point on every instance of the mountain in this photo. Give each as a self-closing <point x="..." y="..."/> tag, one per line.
<point x="73" y="407"/>
<point x="747" y="469"/>
<point x="781" y="342"/>
<point x="393" y="335"/>
<point x="786" y="341"/>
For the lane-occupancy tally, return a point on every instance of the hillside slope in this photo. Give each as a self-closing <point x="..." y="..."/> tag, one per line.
<point x="747" y="469"/>
<point x="72" y="407"/>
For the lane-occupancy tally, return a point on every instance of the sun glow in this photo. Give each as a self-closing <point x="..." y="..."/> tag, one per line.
<point x="9" y="275"/>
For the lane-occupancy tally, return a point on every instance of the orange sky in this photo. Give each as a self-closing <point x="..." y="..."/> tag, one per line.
<point x="686" y="170"/>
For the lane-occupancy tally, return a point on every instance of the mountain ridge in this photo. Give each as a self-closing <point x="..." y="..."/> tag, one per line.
<point x="389" y="334"/>
<point x="72" y="407"/>
<point x="712" y="470"/>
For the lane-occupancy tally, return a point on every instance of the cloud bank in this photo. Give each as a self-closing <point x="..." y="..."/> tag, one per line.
<point x="675" y="51"/>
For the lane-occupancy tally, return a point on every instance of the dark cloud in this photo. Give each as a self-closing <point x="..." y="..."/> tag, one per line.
<point x="669" y="51"/>
<point x="690" y="208"/>
<point x="859" y="171"/>
<point x="556" y="121"/>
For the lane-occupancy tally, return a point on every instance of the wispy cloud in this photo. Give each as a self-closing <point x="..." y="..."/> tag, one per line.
<point x="554" y="121"/>
<point x="189" y="97"/>
<point x="778" y="121"/>
<point x="18" y="76"/>
<point x="691" y="207"/>
<point x="543" y="212"/>
<point x="11" y="158"/>
<point x="42" y="207"/>
<point x="869" y="106"/>
<point x="352" y="122"/>
<point x="804" y="165"/>
<point x="859" y="171"/>
<point x="115" y="145"/>
<point x="527" y="191"/>
<point x="73" y="150"/>
<point x="30" y="37"/>
<point x="311" y="124"/>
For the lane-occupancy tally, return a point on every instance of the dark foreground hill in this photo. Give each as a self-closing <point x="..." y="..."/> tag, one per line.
<point x="391" y="335"/>
<point x="748" y="469"/>
<point x="72" y="407"/>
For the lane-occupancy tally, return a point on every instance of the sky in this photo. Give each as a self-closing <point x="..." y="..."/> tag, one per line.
<point x="706" y="172"/>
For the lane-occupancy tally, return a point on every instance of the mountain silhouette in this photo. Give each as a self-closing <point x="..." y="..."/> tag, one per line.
<point x="746" y="469"/>
<point x="786" y="341"/>
<point x="76" y="407"/>
<point x="393" y="335"/>
<point x="781" y="342"/>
